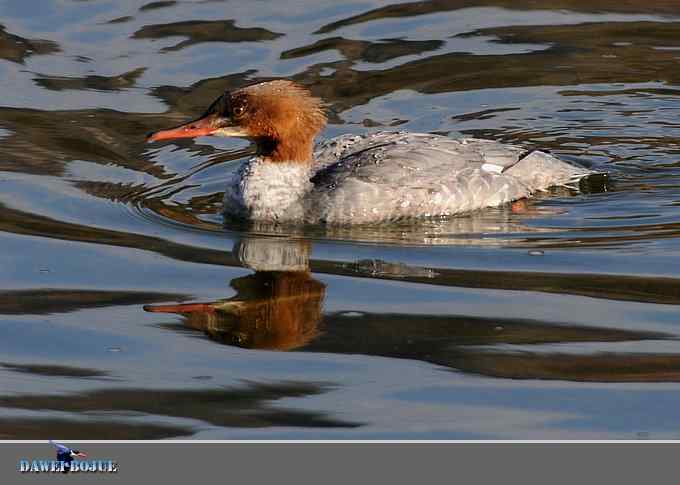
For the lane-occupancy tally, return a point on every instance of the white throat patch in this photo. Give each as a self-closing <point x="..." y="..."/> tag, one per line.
<point x="272" y="191"/>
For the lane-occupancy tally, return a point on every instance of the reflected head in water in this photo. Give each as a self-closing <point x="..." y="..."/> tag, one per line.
<point x="279" y="307"/>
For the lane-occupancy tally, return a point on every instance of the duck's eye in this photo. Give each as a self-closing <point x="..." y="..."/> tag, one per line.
<point x="239" y="110"/>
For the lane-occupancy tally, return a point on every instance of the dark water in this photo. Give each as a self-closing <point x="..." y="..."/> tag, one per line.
<point x="558" y="321"/>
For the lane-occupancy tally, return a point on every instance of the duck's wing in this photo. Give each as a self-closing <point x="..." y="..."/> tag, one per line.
<point x="389" y="157"/>
<point x="403" y="175"/>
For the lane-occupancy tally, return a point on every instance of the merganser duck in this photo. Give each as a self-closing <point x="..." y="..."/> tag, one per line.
<point x="359" y="179"/>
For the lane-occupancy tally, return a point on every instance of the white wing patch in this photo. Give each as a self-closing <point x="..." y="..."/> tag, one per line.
<point x="492" y="168"/>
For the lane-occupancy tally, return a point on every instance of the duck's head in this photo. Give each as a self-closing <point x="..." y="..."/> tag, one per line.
<point x="281" y="117"/>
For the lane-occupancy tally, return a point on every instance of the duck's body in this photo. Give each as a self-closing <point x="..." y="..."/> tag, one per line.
<point x="392" y="176"/>
<point x="371" y="178"/>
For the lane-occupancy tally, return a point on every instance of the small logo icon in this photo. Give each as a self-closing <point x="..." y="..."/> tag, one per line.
<point x="66" y="455"/>
<point x="69" y="460"/>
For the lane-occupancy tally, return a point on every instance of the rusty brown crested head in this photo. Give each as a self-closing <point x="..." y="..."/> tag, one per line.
<point x="280" y="116"/>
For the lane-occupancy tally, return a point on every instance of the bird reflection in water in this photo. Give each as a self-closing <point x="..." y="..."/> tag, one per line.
<point x="279" y="307"/>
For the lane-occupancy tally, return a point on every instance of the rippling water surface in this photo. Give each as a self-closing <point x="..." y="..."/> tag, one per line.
<point x="130" y="310"/>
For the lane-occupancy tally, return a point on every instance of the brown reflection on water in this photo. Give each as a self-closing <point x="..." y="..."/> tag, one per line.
<point x="101" y="83"/>
<point x="120" y="20"/>
<point x="358" y="50"/>
<point x="573" y="54"/>
<point x="596" y="52"/>
<point x="603" y="367"/>
<point x="47" y="301"/>
<point x="157" y="5"/>
<point x="411" y="9"/>
<point x="54" y="370"/>
<point x="199" y="31"/>
<point x="244" y="407"/>
<point x="43" y="142"/>
<point x="81" y="429"/>
<point x="17" y="49"/>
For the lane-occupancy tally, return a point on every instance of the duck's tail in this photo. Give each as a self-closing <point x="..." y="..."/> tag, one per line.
<point x="540" y="171"/>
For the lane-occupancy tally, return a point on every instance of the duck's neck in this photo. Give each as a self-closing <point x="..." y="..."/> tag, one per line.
<point x="295" y="150"/>
<point x="269" y="191"/>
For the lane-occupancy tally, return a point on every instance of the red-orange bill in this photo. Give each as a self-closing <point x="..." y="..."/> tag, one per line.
<point x="200" y="127"/>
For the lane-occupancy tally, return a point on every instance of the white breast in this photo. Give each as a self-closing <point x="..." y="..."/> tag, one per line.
<point x="268" y="191"/>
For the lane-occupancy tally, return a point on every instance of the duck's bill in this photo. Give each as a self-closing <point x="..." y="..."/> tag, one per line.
<point x="210" y="125"/>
